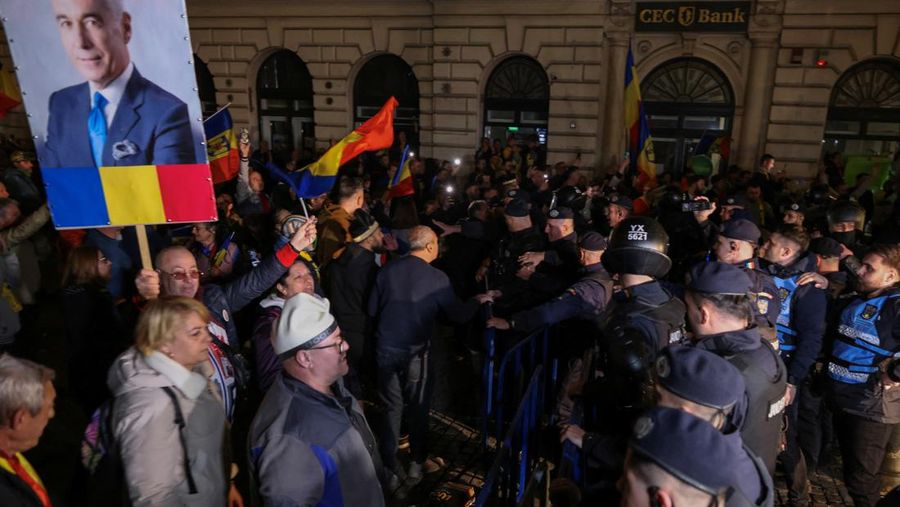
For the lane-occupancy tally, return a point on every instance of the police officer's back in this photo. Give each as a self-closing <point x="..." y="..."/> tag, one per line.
<point x="720" y="314"/>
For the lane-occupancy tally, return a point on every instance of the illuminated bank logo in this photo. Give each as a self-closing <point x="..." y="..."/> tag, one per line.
<point x="686" y="16"/>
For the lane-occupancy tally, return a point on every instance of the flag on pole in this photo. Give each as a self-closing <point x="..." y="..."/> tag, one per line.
<point x="640" y="144"/>
<point x="10" y="95"/>
<point x="375" y="134"/>
<point x="402" y="183"/>
<point x="222" y="146"/>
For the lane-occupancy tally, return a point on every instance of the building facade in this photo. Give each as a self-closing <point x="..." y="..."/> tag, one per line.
<point x="794" y="78"/>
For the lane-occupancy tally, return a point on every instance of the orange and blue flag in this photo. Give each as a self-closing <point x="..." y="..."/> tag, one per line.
<point x="402" y="182"/>
<point x="376" y="133"/>
<point x="640" y="143"/>
<point x="221" y="146"/>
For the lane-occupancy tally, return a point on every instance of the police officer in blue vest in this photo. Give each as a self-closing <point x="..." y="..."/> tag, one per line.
<point x="585" y="299"/>
<point x="800" y="329"/>
<point x="721" y="315"/>
<point x="736" y="245"/>
<point x="865" y="399"/>
<point x="677" y="459"/>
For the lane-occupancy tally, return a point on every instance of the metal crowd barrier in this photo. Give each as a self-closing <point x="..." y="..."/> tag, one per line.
<point x="507" y="480"/>
<point x="514" y="367"/>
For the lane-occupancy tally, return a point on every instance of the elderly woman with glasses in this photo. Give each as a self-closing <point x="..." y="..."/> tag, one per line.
<point x="158" y="384"/>
<point x="95" y="330"/>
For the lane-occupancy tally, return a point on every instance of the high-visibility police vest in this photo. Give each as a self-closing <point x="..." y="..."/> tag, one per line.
<point x="787" y="287"/>
<point x="857" y="349"/>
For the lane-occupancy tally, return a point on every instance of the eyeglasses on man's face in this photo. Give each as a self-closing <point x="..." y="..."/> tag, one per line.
<point x="183" y="275"/>
<point x="340" y="345"/>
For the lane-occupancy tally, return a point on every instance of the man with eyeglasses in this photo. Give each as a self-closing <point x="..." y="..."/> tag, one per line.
<point x="310" y="443"/>
<point x="176" y="274"/>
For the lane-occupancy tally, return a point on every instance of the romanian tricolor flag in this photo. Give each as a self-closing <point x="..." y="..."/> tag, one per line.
<point x="402" y="182"/>
<point x="375" y="134"/>
<point x="10" y="95"/>
<point x="221" y="146"/>
<point x="640" y="144"/>
<point x="129" y="195"/>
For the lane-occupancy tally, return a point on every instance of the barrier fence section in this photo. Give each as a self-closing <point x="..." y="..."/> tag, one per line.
<point x="513" y="368"/>
<point x="506" y="481"/>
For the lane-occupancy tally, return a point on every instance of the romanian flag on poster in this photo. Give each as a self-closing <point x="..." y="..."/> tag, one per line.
<point x="129" y="195"/>
<point x="402" y="183"/>
<point x="221" y="146"/>
<point x="640" y="144"/>
<point x="10" y="95"/>
<point x="375" y="134"/>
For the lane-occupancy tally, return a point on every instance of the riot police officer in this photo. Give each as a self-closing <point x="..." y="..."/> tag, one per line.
<point x="573" y="198"/>
<point x="866" y="399"/>
<point x="720" y="313"/>
<point x="736" y="245"/>
<point x="556" y="267"/>
<point x="800" y="329"/>
<point x="846" y="223"/>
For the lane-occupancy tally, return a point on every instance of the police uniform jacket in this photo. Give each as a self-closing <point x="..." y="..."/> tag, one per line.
<point x="866" y="335"/>
<point x="803" y="312"/>
<point x="585" y="298"/>
<point x="764" y="375"/>
<point x="768" y="303"/>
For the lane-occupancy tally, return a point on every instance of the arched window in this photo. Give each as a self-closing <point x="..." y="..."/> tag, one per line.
<point x="517" y="100"/>
<point x="685" y="99"/>
<point x="285" y="93"/>
<point x="206" y="87"/>
<point x="380" y="78"/>
<point x="864" y="113"/>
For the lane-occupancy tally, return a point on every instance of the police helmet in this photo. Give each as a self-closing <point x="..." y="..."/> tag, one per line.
<point x="571" y="197"/>
<point x="846" y="211"/>
<point x="818" y="195"/>
<point x="638" y="246"/>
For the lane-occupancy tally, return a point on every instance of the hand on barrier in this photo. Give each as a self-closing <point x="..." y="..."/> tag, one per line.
<point x="573" y="433"/>
<point x="498" y="323"/>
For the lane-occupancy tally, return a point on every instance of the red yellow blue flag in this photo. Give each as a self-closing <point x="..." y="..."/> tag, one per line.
<point x="376" y="133"/>
<point x="221" y="146"/>
<point x="640" y="143"/>
<point x="402" y="183"/>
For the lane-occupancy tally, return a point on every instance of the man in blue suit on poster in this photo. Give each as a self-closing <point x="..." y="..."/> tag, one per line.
<point x="117" y="117"/>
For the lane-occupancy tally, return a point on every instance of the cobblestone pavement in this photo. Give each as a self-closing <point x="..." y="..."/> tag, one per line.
<point x="826" y="487"/>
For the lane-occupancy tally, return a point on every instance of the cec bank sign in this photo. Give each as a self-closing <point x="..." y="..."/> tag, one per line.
<point x="692" y="16"/>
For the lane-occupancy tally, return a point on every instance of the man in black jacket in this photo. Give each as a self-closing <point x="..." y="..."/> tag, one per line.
<point x="26" y="405"/>
<point x="348" y="281"/>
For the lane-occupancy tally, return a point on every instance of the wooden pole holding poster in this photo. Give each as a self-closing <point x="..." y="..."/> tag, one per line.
<point x="144" y="246"/>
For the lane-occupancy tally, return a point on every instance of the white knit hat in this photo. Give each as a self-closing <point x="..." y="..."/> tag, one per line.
<point x="304" y="322"/>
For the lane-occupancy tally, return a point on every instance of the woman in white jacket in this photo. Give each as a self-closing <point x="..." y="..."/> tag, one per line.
<point x="170" y="358"/>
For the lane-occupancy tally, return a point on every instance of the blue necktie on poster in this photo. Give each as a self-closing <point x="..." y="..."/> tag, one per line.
<point x="97" y="127"/>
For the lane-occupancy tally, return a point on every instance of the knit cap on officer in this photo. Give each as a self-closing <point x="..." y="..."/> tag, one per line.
<point x="703" y="378"/>
<point x="719" y="278"/>
<point x="560" y="214"/>
<point x="304" y="323"/>
<point x="685" y="448"/>
<point x="593" y="241"/>
<point x="516" y="208"/>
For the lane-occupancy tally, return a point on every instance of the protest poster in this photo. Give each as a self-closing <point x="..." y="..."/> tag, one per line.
<point x="111" y="99"/>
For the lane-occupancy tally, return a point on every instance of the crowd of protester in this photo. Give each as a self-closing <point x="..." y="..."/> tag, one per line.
<point x="712" y="328"/>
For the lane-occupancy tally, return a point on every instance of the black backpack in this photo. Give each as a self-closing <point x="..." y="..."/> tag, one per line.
<point x="101" y="457"/>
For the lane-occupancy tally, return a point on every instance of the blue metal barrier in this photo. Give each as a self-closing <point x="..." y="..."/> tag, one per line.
<point x="516" y="363"/>
<point x="507" y="478"/>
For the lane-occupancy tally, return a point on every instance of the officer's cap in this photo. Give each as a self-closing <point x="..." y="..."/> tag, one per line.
<point x="687" y="447"/>
<point x="825" y="247"/>
<point x="518" y="193"/>
<point x="739" y="200"/>
<point x="699" y="376"/>
<point x="622" y="200"/>
<point x="796" y="206"/>
<point x="560" y="214"/>
<point x="719" y="278"/>
<point x="741" y="229"/>
<point x="593" y="241"/>
<point x="517" y="208"/>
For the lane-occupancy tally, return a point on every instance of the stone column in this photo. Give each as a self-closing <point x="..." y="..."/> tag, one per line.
<point x="613" y="144"/>
<point x="757" y="98"/>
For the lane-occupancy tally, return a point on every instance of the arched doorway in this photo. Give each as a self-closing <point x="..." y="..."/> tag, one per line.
<point x="864" y="112"/>
<point x="206" y="87"/>
<point x="685" y="99"/>
<point x="517" y="100"/>
<point x="285" y="96"/>
<point x="380" y="78"/>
